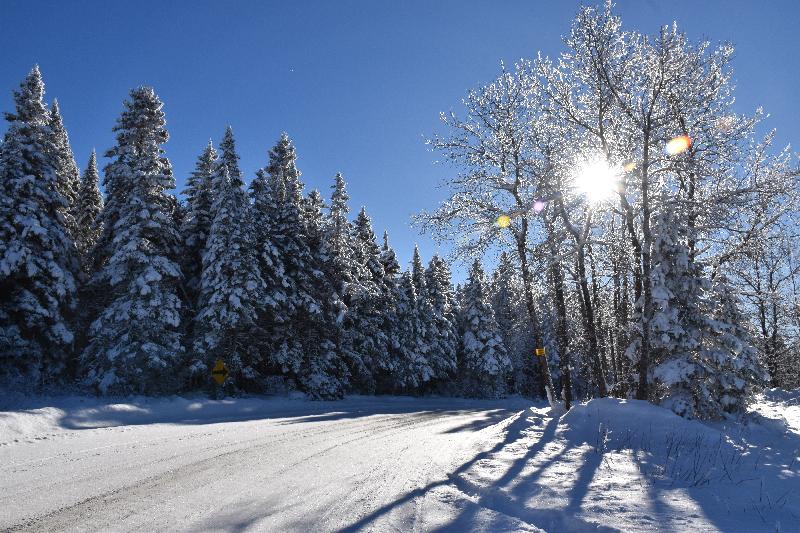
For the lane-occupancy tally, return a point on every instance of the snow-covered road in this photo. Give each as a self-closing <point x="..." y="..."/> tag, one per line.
<point x="394" y="464"/>
<point x="300" y="466"/>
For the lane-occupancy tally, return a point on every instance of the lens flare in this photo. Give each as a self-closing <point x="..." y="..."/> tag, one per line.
<point x="629" y="167"/>
<point x="597" y="180"/>
<point x="503" y="221"/>
<point x="538" y="206"/>
<point x="678" y="145"/>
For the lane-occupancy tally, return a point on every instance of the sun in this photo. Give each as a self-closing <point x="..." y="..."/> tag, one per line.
<point x="597" y="180"/>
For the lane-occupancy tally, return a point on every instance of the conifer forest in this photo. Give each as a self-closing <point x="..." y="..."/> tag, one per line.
<point x="626" y="234"/>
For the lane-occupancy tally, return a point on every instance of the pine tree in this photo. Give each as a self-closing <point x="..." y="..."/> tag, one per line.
<point x="38" y="260"/>
<point x="231" y="288"/>
<point x="198" y="217"/>
<point x="346" y="275"/>
<point x="68" y="176"/>
<point x="391" y="266"/>
<point x="387" y="369"/>
<point x="326" y="371"/>
<point x="728" y="348"/>
<point x="230" y="158"/>
<point x="372" y="299"/>
<point x="442" y="319"/>
<point x="89" y="205"/>
<point x="135" y="343"/>
<point x="298" y="348"/>
<point x="705" y="364"/>
<point x="485" y="362"/>
<point x="427" y="334"/>
<point x="409" y="359"/>
<point x="508" y="308"/>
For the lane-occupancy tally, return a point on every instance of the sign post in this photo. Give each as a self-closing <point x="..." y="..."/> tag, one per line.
<point x="540" y="352"/>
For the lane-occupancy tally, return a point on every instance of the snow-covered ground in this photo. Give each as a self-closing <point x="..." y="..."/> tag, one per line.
<point x="393" y="464"/>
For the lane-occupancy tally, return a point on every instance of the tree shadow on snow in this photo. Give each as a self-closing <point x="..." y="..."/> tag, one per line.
<point x="503" y="505"/>
<point x="180" y="411"/>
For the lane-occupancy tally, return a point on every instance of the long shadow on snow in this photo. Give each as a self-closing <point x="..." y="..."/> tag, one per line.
<point x="196" y="412"/>
<point x="492" y="498"/>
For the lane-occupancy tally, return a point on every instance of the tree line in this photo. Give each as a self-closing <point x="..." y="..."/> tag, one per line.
<point x="645" y="238"/>
<point x="134" y="291"/>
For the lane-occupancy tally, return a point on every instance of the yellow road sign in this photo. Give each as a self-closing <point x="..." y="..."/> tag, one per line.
<point x="540" y="352"/>
<point x="220" y="372"/>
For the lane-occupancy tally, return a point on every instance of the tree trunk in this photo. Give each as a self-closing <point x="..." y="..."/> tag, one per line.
<point x="562" y="335"/>
<point x="589" y="323"/>
<point x="530" y="304"/>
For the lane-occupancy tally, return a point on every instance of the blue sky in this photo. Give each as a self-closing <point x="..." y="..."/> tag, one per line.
<point x="356" y="84"/>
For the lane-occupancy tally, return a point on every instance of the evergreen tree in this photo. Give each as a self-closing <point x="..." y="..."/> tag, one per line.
<point x="388" y="258"/>
<point x="88" y="207"/>
<point x="508" y="308"/>
<point x="231" y="288"/>
<point x="705" y="364"/>
<point x="38" y="260"/>
<point x="67" y="175"/>
<point x="371" y="300"/>
<point x="347" y="275"/>
<point x="442" y="319"/>
<point x="229" y="158"/>
<point x="418" y="273"/>
<point x="409" y="360"/>
<point x="327" y="372"/>
<point x="388" y="367"/>
<point x="135" y="343"/>
<point x="427" y="334"/>
<point x="485" y="362"/>
<point x="198" y="217"/>
<point x="298" y="348"/>
<point x="729" y="351"/>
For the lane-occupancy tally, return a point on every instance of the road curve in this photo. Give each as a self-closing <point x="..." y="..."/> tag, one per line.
<point x="354" y="466"/>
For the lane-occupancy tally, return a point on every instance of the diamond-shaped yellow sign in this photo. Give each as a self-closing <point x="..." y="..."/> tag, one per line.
<point x="220" y="372"/>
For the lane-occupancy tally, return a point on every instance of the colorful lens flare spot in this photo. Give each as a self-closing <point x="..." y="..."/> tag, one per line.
<point x="629" y="167"/>
<point x="503" y="221"/>
<point x="539" y="205"/>
<point x="679" y="145"/>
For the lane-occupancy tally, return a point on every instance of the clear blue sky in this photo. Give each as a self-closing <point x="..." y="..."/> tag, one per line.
<point x="356" y="84"/>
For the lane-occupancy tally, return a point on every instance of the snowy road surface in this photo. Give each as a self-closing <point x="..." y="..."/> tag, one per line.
<point x="393" y="464"/>
<point x="302" y="467"/>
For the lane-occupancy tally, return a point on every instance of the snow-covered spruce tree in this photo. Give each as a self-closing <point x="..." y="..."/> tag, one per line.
<point x="198" y="218"/>
<point x="729" y="351"/>
<point x="370" y="303"/>
<point x="296" y="333"/>
<point x="88" y="206"/>
<point x="68" y="175"/>
<point x="231" y="289"/>
<point x="512" y="323"/>
<point x="426" y="327"/>
<point x="443" y="322"/>
<point x="230" y="158"/>
<point x="391" y="266"/>
<point x="387" y="368"/>
<point x="328" y="367"/>
<point x="346" y="275"/>
<point x="485" y="364"/>
<point x="705" y="364"/>
<point x="135" y="342"/>
<point x="411" y="368"/>
<point x="38" y="259"/>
